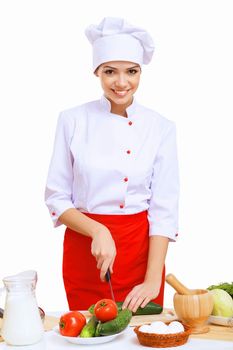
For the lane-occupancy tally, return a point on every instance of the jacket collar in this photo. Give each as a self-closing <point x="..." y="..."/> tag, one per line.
<point x="106" y="105"/>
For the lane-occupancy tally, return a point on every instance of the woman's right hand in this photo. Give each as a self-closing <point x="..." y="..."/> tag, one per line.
<point x="104" y="250"/>
<point x="102" y="247"/>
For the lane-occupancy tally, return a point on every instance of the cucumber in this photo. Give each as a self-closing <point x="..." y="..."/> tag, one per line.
<point x="91" y="309"/>
<point x="115" y="326"/>
<point x="89" y="329"/>
<point x="97" y="333"/>
<point x="150" y="309"/>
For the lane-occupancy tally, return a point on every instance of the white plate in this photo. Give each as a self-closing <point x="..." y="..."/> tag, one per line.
<point x="87" y="341"/>
<point x="221" y="321"/>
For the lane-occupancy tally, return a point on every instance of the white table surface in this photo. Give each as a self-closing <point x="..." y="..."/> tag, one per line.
<point x="126" y="341"/>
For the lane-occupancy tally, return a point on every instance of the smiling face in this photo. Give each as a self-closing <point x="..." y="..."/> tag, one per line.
<point x="119" y="80"/>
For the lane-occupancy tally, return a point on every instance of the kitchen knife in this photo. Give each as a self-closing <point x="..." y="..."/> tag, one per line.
<point x="108" y="279"/>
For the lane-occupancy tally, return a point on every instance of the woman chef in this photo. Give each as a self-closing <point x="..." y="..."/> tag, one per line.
<point x="113" y="179"/>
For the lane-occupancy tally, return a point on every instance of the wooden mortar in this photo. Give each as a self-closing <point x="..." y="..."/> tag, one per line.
<point x="192" y="306"/>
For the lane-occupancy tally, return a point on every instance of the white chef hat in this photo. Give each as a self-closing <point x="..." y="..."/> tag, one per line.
<point x="116" y="40"/>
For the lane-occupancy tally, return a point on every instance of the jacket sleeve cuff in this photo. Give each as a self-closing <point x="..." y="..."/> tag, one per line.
<point x="58" y="210"/>
<point x="165" y="231"/>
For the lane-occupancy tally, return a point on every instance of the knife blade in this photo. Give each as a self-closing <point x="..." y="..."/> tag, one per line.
<point x="108" y="279"/>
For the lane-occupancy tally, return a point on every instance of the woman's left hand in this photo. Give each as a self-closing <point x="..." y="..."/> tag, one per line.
<point x="140" y="295"/>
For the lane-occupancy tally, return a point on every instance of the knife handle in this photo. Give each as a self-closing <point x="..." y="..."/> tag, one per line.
<point x="108" y="276"/>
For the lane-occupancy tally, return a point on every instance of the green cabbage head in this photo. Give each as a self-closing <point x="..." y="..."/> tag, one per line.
<point x="223" y="303"/>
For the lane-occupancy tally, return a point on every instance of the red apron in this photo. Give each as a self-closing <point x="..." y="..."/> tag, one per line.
<point x="80" y="274"/>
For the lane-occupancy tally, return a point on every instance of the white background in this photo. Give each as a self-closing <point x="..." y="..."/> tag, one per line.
<point x="46" y="67"/>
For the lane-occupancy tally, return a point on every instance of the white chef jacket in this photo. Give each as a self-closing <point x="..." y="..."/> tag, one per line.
<point x="104" y="163"/>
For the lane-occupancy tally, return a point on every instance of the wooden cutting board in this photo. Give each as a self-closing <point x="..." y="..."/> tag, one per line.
<point x="166" y="316"/>
<point x="215" y="333"/>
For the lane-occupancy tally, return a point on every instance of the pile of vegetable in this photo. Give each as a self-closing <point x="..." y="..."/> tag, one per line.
<point x="223" y="299"/>
<point x="106" y="320"/>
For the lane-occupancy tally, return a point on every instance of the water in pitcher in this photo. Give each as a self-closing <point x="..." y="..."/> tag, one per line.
<point x="22" y="324"/>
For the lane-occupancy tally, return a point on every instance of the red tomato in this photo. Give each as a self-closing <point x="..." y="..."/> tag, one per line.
<point x="105" y="310"/>
<point x="71" y="323"/>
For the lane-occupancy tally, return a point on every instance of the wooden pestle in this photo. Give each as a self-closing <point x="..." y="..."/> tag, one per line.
<point x="178" y="286"/>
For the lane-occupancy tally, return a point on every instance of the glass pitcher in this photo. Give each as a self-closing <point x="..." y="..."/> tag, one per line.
<point x="22" y="324"/>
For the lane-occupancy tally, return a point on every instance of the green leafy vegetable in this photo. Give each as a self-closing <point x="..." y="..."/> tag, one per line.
<point x="228" y="287"/>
